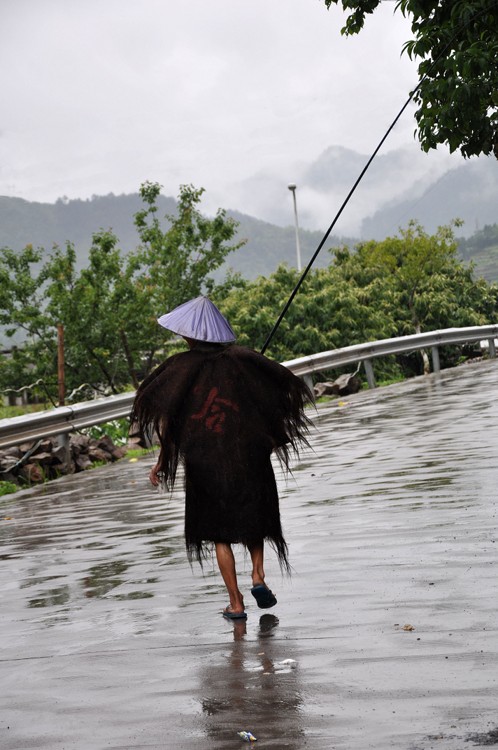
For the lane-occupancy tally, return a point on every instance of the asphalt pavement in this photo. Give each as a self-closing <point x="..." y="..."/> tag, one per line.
<point x="385" y="635"/>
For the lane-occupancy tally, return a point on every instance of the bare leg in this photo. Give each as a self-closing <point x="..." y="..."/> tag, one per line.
<point x="226" y="564"/>
<point x="257" y="557"/>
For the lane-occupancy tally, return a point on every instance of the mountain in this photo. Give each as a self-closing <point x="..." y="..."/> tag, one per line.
<point x="399" y="185"/>
<point x="269" y="245"/>
<point x="323" y="185"/>
<point x="468" y="192"/>
<point x="46" y="224"/>
<point x="482" y="250"/>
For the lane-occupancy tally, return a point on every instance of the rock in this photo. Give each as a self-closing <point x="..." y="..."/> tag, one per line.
<point x="134" y="431"/>
<point x="82" y="462"/>
<point x="133" y="443"/>
<point x="49" y="459"/>
<point x="64" y="468"/>
<point x="59" y="454"/>
<point x="25" y="447"/>
<point x="114" y="452"/>
<point x="32" y="473"/>
<point x="324" y="389"/>
<point x="105" y="443"/>
<point x="98" y="454"/>
<point x="8" y="477"/>
<point x="6" y="464"/>
<point x="79" y="444"/>
<point x="13" y="451"/>
<point x="119" y="452"/>
<point x="137" y="440"/>
<point x="347" y="384"/>
<point x="46" y="446"/>
<point x="343" y="386"/>
<point x="44" y="459"/>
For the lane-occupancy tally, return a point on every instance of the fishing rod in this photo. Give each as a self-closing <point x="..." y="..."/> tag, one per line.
<point x="362" y="173"/>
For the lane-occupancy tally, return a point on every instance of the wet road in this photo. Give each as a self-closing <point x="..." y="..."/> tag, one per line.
<point x="110" y="640"/>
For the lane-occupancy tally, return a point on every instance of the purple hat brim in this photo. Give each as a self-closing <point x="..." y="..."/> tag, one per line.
<point x="198" y="319"/>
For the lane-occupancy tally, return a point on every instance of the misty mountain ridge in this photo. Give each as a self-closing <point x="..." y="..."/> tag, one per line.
<point x="400" y="185"/>
<point x="47" y="224"/>
<point x="468" y="192"/>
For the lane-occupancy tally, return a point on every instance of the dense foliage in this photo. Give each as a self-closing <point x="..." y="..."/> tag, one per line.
<point x="456" y="44"/>
<point x="108" y="309"/>
<point x="405" y="284"/>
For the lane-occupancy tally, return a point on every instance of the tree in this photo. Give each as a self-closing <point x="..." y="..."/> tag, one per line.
<point x="456" y="44"/>
<point x="175" y="264"/>
<point x="109" y="309"/>
<point x="330" y="312"/>
<point x="34" y="356"/>
<point x="97" y="307"/>
<point x="405" y="284"/>
<point x="427" y="286"/>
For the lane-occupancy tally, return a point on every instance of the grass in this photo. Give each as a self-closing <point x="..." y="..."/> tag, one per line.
<point x="133" y="453"/>
<point x="391" y="381"/>
<point x="6" y="488"/>
<point x="139" y="452"/>
<point x="98" y="464"/>
<point x="7" y="412"/>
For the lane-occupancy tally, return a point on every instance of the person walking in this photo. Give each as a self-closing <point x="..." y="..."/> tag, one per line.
<point x="221" y="410"/>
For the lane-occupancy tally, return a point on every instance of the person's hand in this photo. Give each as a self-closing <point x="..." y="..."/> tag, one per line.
<point x="154" y="476"/>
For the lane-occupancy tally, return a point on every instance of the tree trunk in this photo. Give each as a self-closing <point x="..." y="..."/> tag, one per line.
<point x="129" y="359"/>
<point x="423" y="352"/>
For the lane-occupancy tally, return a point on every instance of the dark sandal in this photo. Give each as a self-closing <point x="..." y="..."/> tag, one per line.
<point x="264" y="597"/>
<point x="227" y="612"/>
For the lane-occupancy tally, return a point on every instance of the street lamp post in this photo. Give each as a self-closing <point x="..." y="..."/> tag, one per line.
<point x="292" y="187"/>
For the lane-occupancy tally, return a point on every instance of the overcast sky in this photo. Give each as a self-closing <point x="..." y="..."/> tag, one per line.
<point x="100" y="95"/>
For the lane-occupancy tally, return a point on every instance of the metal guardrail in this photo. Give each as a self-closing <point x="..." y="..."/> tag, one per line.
<point x="305" y="366"/>
<point x="66" y="419"/>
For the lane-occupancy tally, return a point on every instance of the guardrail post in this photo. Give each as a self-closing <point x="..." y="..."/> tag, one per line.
<point x="436" y="365"/>
<point x="369" y="371"/>
<point x="492" y="347"/>
<point x="308" y="379"/>
<point x="63" y="441"/>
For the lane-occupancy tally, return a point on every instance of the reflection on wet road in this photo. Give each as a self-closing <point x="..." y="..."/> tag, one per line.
<point x="255" y="688"/>
<point x="385" y="636"/>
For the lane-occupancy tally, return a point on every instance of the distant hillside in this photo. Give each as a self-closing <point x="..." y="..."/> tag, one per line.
<point x="468" y="192"/>
<point x="482" y="250"/>
<point x="401" y="184"/>
<point x="269" y="245"/>
<point x="46" y="224"/>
